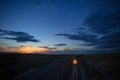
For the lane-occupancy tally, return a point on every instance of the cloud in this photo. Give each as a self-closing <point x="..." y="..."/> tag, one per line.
<point x="107" y="24"/>
<point x="50" y="48"/>
<point x="17" y="36"/>
<point x="60" y="44"/>
<point x="109" y="41"/>
<point x="82" y="36"/>
<point x="100" y="29"/>
<point x="103" y="23"/>
<point x="22" y="39"/>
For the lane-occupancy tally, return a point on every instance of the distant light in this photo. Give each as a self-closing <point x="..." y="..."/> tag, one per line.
<point x="75" y="61"/>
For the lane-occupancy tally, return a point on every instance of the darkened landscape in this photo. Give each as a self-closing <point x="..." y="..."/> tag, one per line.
<point x="59" y="67"/>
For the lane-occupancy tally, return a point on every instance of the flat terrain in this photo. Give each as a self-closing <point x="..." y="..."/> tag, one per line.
<point x="59" y="67"/>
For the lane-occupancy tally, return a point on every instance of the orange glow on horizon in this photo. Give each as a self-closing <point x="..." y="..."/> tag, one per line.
<point x="28" y="49"/>
<point x="25" y="49"/>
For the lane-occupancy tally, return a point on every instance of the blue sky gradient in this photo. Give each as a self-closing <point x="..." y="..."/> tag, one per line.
<point x="83" y="25"/>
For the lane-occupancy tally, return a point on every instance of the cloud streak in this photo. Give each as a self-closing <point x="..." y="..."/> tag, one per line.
<point x="17" y="36"/>
<point x="79" y="36"/>
<point x="60" y="44"/>
<point x="50" y="48"/>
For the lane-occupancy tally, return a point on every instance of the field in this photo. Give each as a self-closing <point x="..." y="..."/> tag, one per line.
<point x="59" y="67"/>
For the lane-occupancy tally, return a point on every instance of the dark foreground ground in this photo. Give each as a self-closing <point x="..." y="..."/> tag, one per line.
<point x="59" y="67"/>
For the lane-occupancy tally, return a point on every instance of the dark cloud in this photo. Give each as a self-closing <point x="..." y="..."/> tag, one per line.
<point x="106" y="19"/>
<point x="60" y="44"/>
<point x="105" y="22"/>
<point x="111" y="40"/>
<point x="87" y="37"/>
<point x="101" y="28"/>
<point x="22" y="39"/>
<point x="50" y="48"/>
<point x="18" y="36"/>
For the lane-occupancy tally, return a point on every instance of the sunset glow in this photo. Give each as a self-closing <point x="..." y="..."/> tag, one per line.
<point x="25" y="49"/>
<point x="28" y="49"/>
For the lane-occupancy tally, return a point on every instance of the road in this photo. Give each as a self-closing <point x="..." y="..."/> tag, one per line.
<point x="64" y="69"/>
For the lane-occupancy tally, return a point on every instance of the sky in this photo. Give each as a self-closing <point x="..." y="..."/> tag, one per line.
<point x="60" y="26"/>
